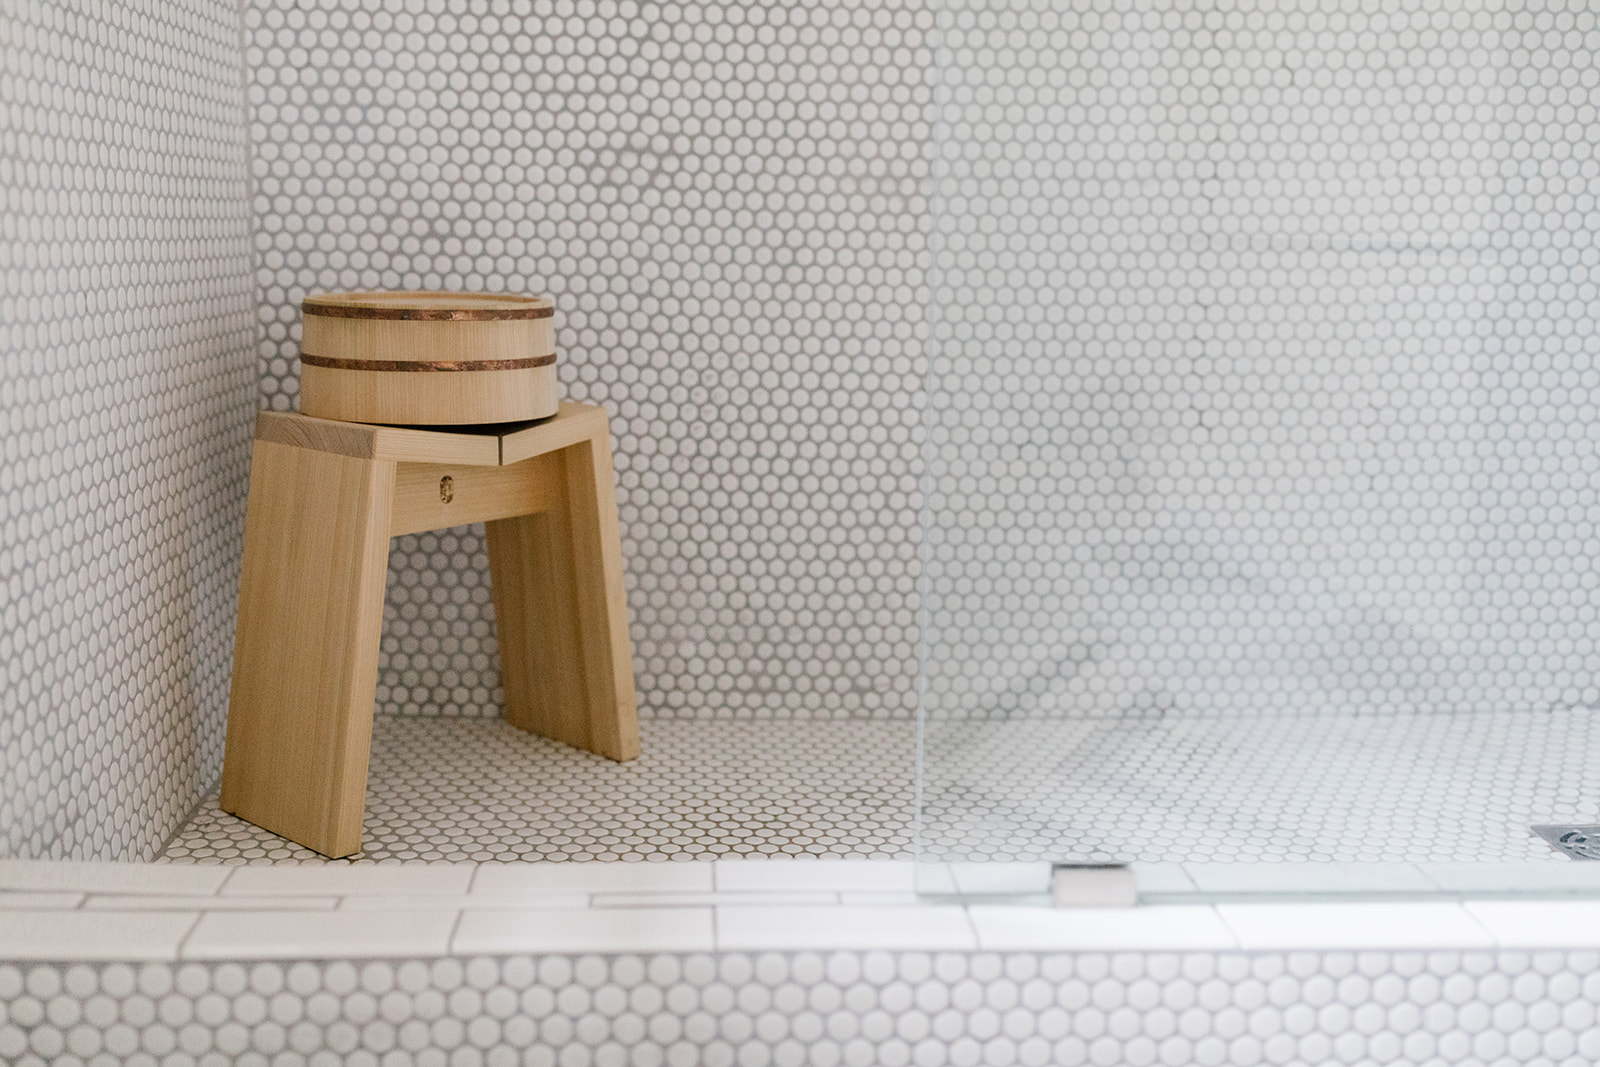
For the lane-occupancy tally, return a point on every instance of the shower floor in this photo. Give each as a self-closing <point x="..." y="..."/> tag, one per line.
<point x="480" y="790"/>
<point x="1355" y="789"/>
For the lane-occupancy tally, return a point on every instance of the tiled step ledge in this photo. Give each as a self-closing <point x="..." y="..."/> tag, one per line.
<point x="67" y="911"/>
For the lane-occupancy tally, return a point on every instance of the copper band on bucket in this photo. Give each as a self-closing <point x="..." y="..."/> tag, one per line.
<point x="426" y="364"/>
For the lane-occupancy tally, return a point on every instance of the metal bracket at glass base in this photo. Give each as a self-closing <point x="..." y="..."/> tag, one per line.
<point x="1092" y="885"/>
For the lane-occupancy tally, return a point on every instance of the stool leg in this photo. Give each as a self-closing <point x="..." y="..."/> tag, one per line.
<point x="305" y="658"/>
<point x="561" y="612"/>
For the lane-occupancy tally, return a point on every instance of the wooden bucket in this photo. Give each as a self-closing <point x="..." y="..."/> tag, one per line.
<point x="427" y="359"/>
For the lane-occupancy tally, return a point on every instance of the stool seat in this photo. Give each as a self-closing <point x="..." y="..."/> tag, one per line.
<point x="325" y="497"/>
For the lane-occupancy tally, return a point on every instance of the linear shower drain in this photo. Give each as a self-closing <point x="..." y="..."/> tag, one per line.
<point x="1578" y="842"/>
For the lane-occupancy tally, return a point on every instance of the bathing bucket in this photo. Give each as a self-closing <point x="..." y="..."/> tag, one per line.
<point x="427" y="358"/>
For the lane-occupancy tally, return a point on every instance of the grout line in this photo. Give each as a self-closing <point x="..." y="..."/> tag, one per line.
<point x="972" y="928"/>
<point x="1431" y="945"/>
<point x="1494" y="935"/>
<point x="1437" y="886"/>
<point x="200" y="804"/>
<point x="1216" y="912"/>
<point x="183" y="942"/>
<point x="1233" y="931"/>
<point x="455" y="929"/>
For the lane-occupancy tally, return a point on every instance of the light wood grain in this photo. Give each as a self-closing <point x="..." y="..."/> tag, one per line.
<point x="602" y="598"/>
<point x="378" y="442"/>
<point x="475" y="494"/>
<point x="410" y="340"/>
<point x="324" y="498"/>
<point x="428" y="303"/>
<point x="306" y="648"/>
<point x="433" y="398"/>
<point x="573" y="423"/>
<point x="565" y="658"/>
<point x="320" y="435"/>
<point x="483" y="446"/>
<point x="431" y="446"/>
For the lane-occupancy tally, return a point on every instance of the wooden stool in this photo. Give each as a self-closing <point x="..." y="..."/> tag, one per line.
<point x="325" y="497"/>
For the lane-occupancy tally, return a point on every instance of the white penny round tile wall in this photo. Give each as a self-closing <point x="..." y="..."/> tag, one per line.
<point x="1265" y="360"/>
<point x="854" y="1009"/>
<point x="125" y="403"/>
<point x="1261" y="375"/>
<point x="727" y="204"/>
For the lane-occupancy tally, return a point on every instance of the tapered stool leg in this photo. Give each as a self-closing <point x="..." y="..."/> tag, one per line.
<point x="305" y="655"/>
<point x="560" y="609"/>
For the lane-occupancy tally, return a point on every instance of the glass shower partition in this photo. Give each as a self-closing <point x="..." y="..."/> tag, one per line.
<point x="1261" y="445"/>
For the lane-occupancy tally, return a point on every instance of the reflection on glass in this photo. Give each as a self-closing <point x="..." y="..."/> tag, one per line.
<point x="1261" y="486"/>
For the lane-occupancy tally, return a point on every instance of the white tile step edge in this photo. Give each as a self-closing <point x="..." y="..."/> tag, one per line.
<point x="53" y="910"/>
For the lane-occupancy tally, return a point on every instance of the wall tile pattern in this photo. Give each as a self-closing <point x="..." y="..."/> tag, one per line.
<point x="125" y="407"/>
<point x="1264" y="360"/>
<point x="818" y="1008"/>
<point x="726" y="202"/>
